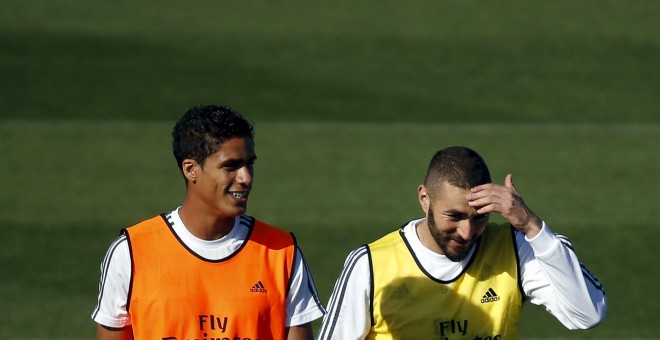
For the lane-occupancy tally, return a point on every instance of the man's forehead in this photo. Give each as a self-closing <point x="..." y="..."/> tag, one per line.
<point x="448" y="197"/>
<point x="449" y="190"/>
<point x="235" y="147"/>
<point x="452" y="200"/>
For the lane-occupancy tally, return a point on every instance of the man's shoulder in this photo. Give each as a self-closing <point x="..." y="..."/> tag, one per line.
<point x="393" y="236"/>
<point x="263" y="230"/>
<point x="252" y="222"/>
<point x="386" y="240"/>
<point x="147" y="224"/>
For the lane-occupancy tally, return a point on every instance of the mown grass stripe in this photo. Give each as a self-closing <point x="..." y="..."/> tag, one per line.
<point x="555" y="127"/>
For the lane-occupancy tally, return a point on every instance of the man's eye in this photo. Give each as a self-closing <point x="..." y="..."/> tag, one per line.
<point x="237" y="166"/>
<point x="232" y="167"/>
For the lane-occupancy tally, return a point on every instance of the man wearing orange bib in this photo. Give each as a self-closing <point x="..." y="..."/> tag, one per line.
<point x="206" y="270"/>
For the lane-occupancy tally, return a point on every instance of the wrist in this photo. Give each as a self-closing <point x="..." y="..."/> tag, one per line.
<point x="532" y="227"/>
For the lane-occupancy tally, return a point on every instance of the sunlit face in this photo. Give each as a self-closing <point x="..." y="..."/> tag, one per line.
<point x="453" y="224"/>
<point x="223" y="182"/>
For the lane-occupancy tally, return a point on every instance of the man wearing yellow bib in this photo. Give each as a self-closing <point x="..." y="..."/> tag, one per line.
<point x="452" y="275"/>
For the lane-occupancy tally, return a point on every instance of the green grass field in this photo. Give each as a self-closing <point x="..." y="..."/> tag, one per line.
<point x="350" y="100"/>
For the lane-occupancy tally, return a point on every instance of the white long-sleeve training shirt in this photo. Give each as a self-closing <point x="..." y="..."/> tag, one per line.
<point x="551" y="275"/>
<point x="302" y="303"/>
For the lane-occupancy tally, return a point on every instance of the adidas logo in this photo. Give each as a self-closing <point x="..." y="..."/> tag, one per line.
<point x="490" y="296"/>
<point x="258" y="288"/>
<point x="400" y="292"/>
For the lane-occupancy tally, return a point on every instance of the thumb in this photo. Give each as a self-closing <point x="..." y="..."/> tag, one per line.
<point x="508" y="182"/>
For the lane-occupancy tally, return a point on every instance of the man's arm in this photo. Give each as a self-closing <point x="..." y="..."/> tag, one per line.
<point x="349" y="316"/>
<point x="301" y="332"/>
<point x="113" y="291"/>
<point x="108" y="333"/>
<point x="552" y="274"/>
<point x="548" y="265"/>
<point x="302" y="303"/>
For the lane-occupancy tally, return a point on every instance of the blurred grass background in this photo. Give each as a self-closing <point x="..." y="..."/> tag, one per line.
<point x="350" y="100"/>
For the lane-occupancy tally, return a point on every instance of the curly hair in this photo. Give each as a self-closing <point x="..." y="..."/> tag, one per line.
<point x="203" y="129"/>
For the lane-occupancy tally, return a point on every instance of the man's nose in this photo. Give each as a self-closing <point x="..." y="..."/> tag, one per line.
<point x="466" y="229"/>
<point x="245" y="175"/>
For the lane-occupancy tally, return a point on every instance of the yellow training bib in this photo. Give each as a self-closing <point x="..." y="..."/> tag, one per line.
<point x="483" y="302"/>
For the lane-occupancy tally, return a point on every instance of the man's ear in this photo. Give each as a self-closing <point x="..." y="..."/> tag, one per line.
<point x="190" y="169"/>
<point x="423" y="197"/>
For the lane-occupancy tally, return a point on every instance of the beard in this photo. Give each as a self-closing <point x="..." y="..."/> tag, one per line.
<point x="442" y="239"/>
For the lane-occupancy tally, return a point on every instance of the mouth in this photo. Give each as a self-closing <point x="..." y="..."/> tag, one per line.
<point x="460" y="244"/>
<point x="241" y="195"/>
<point x="459" y="240"/>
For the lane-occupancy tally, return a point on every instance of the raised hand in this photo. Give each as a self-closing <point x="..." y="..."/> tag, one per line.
<point x="505" y="200"/>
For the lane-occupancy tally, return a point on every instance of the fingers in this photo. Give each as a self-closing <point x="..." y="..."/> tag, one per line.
<point x="485" y="208"/>
<point x="495" y="199"/>
<point x="492" y="197"/>
<point x="505" y="200"/>
<point x="508" y="183"/>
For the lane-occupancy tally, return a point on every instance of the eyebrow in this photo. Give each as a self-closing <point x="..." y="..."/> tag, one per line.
<point x="454" y="212"/>
<point x="233" y="161"/>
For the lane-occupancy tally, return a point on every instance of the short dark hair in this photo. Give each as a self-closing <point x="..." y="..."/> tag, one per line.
<point x="458" y="165"/>
<point x="203" y="129"/>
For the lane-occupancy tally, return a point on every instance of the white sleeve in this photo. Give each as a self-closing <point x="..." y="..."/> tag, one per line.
<point x="113" y="286"/>
<point x="349" y="309"/>
<point x="302" y="303"/>
<point x="552" y="276"/>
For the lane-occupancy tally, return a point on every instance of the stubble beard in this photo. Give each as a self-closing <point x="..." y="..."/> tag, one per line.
<point x="454" y="255"/>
